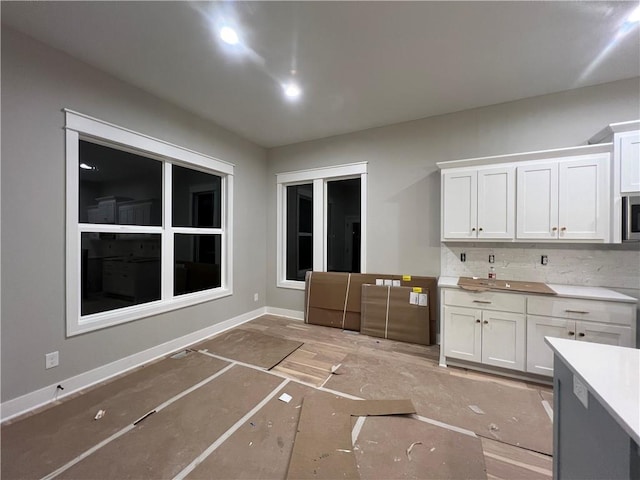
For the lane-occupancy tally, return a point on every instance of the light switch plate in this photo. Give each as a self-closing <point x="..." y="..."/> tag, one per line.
<point x="580" y="391"/>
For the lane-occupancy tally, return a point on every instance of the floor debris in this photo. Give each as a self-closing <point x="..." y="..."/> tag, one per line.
<point x="476" y="409"/>
<point x="99" y="415"/>
<point x="411" y="448"/>
<point x="285" y="397"/>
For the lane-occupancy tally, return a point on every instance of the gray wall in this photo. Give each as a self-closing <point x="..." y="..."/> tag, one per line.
<point x="37" y="82"/>
<point x="403" y="209"/>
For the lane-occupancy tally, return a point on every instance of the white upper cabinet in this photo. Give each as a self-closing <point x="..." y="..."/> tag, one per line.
<point x="561" y="195"/>
<point x="459" y="205"/>
<point x="496" y="196"/>
<point x="583" y="199"/>
<point x="629" y="147"/>
<point x="478" y="203"/>
<point x="537" y="201"/>
<point x="564" y="200"/>
<point x="625" y="180"/>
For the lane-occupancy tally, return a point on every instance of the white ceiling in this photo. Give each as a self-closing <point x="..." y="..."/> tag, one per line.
<point x="360" y="64"/>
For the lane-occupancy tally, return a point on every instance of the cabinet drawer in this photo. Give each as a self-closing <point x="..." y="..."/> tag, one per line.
<point x="593" y="310"/>
<point x="504" y="302"/>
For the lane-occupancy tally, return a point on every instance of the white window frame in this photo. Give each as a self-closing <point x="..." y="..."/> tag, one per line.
<point x="319" y="178"/>
<point x="83" y="127"/>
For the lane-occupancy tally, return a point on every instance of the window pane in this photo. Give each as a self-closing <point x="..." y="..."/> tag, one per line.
<point x="343" y="229"/>
<point x="299" y="231"/>
<point x="197" y="262"/>
<point x="118" y="187"/>
<point x="196" y="198"/>
<point x="119" y="270"/>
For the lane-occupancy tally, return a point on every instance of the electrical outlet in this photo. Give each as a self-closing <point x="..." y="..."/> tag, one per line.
<point x="255" y="297"/>
<point x="492" y="258"/>
<point x="463" y="257"/>
<point x="51" y="360"/>
<point x="544" y="260"/>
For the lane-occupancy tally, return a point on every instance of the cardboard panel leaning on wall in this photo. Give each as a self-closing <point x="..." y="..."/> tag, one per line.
<point x="324" y="300"/>
<point x="388" y="312"/>
<point x="333" y="299"/>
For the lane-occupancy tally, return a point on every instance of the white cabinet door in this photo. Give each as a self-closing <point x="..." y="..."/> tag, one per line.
<point x="459" y="204"/>
<point x="629" y="145"/>
<point x="539" y="355"/>
<point x="537" y="201"/>
<point x="604" y="333"/>
<point x="583" y="203"/>
<point x="503" y="340"/>
<point x="496" y="202"/>
<point x="463" y="332"/>
<point x="565" y="200"/>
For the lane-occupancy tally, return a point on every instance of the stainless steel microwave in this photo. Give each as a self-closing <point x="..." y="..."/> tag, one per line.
<point x="631" y="218"/>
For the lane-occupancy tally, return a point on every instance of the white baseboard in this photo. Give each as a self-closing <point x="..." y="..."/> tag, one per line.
<point x="20" y="405"/>
<point x="283" y="312"/>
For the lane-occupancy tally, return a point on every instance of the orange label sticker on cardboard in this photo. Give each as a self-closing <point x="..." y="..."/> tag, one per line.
<point x="417" y="289"/>
<point x="406" y="278"/>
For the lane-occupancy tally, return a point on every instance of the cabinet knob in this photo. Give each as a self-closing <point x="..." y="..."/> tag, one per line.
<point x="480" y="229"/>
<point x="563" y="229"/>
<point x="581" y="334"/>
<point x="473" y="229"/>
<point x="572" y="333"/>
<point x="554" y="229"/>
<point x="486" y="322"/>
<point x="478" y="320"/>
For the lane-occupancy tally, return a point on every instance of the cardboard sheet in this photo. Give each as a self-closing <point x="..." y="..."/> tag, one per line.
<point x="323" y="447"/>
<point x="483" y="284"/>
<point x="261" y="448"/>
<point x="394" y="313"/>
<point x="402" y="447"/>
<point x="328" y="290"/>
<point x="520" y="421"/>
<point x="41" y="443"/>
<point x="249" y="346"/>
<point x="334" y="299"/>
<point x="166" y="442"/>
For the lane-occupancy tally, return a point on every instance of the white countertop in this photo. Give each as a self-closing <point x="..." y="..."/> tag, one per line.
<point x="572" y="291"/>
<point x="611" y="374"/>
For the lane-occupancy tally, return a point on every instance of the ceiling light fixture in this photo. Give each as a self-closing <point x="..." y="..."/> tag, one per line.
<point x="292" y="90"/>
<point x="229" y="35"/>
<point x="86" y="166"/>
<point x="634" y="17"/>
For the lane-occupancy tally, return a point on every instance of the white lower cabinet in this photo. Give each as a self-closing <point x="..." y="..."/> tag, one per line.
<point x="485" y="335"/>
<point x="507" y="330"/>
<point x="572" y="319"/>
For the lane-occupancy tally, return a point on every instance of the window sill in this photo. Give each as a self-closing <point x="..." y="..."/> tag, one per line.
<point x="111" y="318"/>
<point x="291" y="284"/>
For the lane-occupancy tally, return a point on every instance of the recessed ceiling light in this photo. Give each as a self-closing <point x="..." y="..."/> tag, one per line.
<point x="229" y="35"/>
<point x="292" y="90"/>
<point x="634" y="17"/>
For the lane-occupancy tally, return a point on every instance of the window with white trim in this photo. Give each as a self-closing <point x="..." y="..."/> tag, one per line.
<point x="148" y="225"/>
<point x="321" y="222"/>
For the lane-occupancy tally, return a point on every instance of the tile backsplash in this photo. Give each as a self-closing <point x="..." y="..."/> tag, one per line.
<point x="611" y="266"/>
